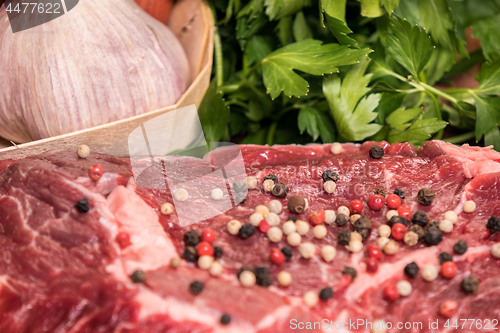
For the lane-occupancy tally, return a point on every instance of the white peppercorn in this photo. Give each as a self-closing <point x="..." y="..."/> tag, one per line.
<point x="382" y="242"/>
<point x="268" y="185"/>
<point x="411" y="238"/>
<point x="217" y="194"/>
<point x="329" y="186"/>
<point x="330" y="216"/>
<point x="450" y="216"/>
<point x="344" y="210"/>
<point x="284" y="278"/>
<point x="289" y="227"/>
<point x="336" y="148"/>
<point x="429" y="273"/>
<point x="302" y="227"/>
<point x="328" y="253"/>
<point x="294" y="239"/>
<point x="469" y="206"/>
<point x="247" y="279"/>
<point x="391" y="247"/>
<point x="310" y="299"/>
<point x="355" y="246"/>
<point x="404" y="288"/>
<point x="384" y="230"/>
<point x="275" y="206"/>
<point x="83" y="151"/>
<point x="234" y="227"/>
<point x="320" y="231"/>
<point x="216" y="269"/>
<point x="167" y="208"/>
<point x="272" y="219"/>
<point x="255" y="219"/>
<point x="251" y="183"/>
<point x="495" y="250"/>
<point x="181" y="195"/>
<point x="307" y="250"/>
<point x="204" y="262"/>
<point x="391" y="213"/>
<point x="446" y="226"/>
<point x="274" y="234"/>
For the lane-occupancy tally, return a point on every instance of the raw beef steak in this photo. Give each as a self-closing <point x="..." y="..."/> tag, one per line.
<point x="66" y="270"/>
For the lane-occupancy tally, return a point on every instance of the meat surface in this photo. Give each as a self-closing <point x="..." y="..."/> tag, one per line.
<point x="62" y="270"/>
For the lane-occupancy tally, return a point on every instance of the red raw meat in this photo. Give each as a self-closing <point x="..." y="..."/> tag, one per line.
<point x="64" y="271"/>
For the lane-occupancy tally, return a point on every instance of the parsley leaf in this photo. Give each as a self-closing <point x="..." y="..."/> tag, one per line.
<point x="489" y="79"/>
<point x="409" y="46"/>
<point x="371" y="8"/>
<point x="301" y="30"/>
<point x="307" y="121"/>
<point x="488" y="115"/>
<point x="352" y="112"/>
<point x="334" y="11"/>
<point x="308" y="56"/>
<point x="277" y="9"/>
<point x="214" y="115"/>
<point x="487" y="30"/>
<point x="389" y="5"/>
<point x="409" y="125"/>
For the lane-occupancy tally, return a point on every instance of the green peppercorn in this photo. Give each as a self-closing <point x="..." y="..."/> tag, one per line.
<point x="246" y="231"/>
<point x="191" y="238"/>
<point x="444" y="257"/>
<point x="83" y="205"/>
<point x="398" y="219"/>
<point x="425" y="196"/>
<point x="470" y="284"/>
<point x="399" y="192"/>
<point x="330" y="175"/>
<point x="380" y="191"/>
<point x="341" y="220"/>
<point x="138" y="276"/>
<point x="460" y="247"/>
<point x="196" y="287"/>
<point x="326" y="293"/>
<point x="263" y="277"/>
<point x="274" y="178"/>
<point x="493" y="224"/>
<point x="287" y="252"/>
<point x="240" y="186"/>
<point x="350" y="271"/>
<point x="225" y="319"/>
<point x="418" y="230"/>
<point x="420" y="218"/>
<point x="376" y="152"/>
<point x="412" y="269"/>
<point x="433" y="236"/>
<point x="344" y="237"/>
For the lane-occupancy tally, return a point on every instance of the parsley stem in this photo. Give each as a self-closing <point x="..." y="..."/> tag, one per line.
<point x="461" y="138"/>
<point x="457" y="91"/>
<point x="270" y="133"/>
<point x="219" y="68"/>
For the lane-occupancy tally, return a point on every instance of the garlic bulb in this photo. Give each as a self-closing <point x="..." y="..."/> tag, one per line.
<point x="100" y="62"/>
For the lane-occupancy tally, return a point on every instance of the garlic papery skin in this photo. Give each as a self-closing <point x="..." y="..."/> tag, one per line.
<point x="105" y="60"/>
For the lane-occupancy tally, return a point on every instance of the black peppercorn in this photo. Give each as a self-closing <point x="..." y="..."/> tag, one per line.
<point x="398" y="219"/>
<point x="376" y="152"/>
<point x="296" y="204"/>
<point x="191" y="238"/>
<point x="218" y="252"/>
<point x="380" y="191"/>
<point x="263" y="277"/>
<point x="280" y="190"/>
<point x="411" y="270"/>
<point x="470" y="284"/>
<point x="493" y="224"/>
<point x="225" y="319"/>
<point x="344" y="237"/>
<point x="196" y="287"/>
<point x="330" y="175"/>
<point x="292" y="218"/>
<point x="425" y="196"/>
<point x="363" y="226"/>
<point x="242" y="269"/>
<point x="246" y="231"/>
<point x="83" y="205"/>
<point x="274" y="178"/>
<point x="418" y="230"/>
<point x="460" y="247"/>
<point x="190" y="254"/>
<point x="399" y="192"/>
<point x="326" y="293"/>
<point x="287" y="252"/>
<point x="433" y="236"/>
<point x="240" y="186"/>
<point x="420" y="218"/>
<point x="444" y="257"/>
<point x="350" y="271"/>
<point x="241" y="197"/>
<point x="138" y="276"/>
<point x="341" y="220"/>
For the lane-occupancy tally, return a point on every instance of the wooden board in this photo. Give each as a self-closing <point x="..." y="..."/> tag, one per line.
<point x="192" y="23"/>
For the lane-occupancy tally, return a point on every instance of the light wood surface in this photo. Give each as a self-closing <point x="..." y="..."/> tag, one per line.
<point x="192" y="23"/>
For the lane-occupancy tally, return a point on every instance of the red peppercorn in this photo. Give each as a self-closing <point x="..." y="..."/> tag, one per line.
<point x="374" y="251"/>
<point x="95" y="172"/>
<point x="376" y="202"/>
<point x="123" y="239"/>
<point x="448" y="308"/>
<point x="404" y="211"/>
<point x="276" y="256"/>
<point x="448" y="269"/>
<point x="391" y="293"/>
<point x="208" y="235"/>
<point x="393" y="201"/>
<point x="398" y="231"/>
<point x="317" y="218"/>
<point x="205" y="249"/>
<point x="371" y="265"/>
<point x="264" y="226"/>
<point x="356" y="206"/>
